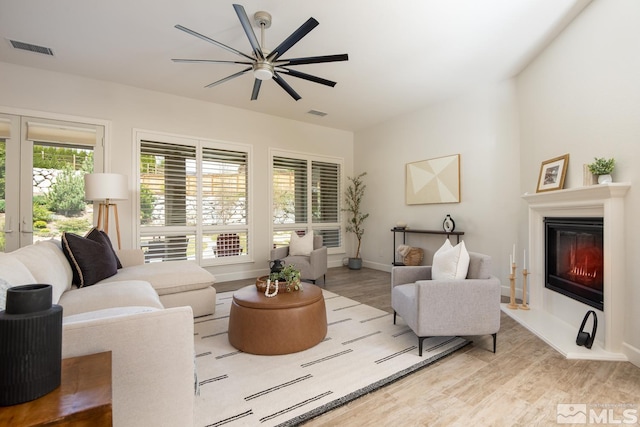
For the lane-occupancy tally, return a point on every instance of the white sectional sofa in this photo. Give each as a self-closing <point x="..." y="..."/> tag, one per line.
<point x="143" y="315"/>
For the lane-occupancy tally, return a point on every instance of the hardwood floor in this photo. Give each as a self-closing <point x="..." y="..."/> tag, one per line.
<point x="520" y="385"/>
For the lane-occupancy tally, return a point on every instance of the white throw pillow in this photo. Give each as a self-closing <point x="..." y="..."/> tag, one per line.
<point x="450" y="262"/>
<point x="300" y="245"/>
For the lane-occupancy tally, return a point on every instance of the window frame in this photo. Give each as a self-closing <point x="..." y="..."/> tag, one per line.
<point x="199" y="230"/>
<point x="309" y="225"/>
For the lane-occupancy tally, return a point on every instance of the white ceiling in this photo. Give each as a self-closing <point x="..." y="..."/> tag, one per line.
<point x="403" y="54"/>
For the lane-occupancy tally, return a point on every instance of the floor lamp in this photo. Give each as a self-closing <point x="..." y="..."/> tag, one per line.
<point x="106" y="187"/>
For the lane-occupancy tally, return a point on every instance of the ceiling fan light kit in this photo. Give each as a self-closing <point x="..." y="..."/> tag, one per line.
<point x="265" y="64"/>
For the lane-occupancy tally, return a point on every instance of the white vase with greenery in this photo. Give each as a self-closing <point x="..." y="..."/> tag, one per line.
<point x="603" y="168"/>
<point x="353" y="206"/>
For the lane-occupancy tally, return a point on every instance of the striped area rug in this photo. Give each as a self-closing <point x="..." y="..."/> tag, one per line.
<point x="363" y="351"/>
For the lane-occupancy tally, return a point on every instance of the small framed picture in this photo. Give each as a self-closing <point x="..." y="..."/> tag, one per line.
<point x="552" y="174"/>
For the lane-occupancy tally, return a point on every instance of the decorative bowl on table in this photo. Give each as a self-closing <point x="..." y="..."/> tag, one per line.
<point x="261" y="285"/>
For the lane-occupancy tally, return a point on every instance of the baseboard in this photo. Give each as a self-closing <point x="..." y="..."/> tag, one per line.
<point x="377" y="266"/>
<point x="238" y="275"/>
<point x="632" y="353"/>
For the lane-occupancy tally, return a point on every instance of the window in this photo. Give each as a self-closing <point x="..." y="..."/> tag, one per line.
<point x="193" y="200"/>
<point x="306" y="197"/>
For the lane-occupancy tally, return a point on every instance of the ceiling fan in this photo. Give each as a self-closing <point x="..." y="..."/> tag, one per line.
<point x="266" y="64"/>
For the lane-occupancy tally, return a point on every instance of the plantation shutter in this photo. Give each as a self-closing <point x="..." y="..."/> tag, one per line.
<point x="326" y="185"/>
<point x="325" y="202"/>
<point x="290" y="191"/>
<point x="169" y="171"/>
<point x="224" y="187"/>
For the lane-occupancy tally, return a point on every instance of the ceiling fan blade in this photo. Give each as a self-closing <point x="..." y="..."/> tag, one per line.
<point x="313" y="60"/>
<point x="294" y="38"/>
<point x="309" y="77"/>
<point x="226" y="79"/>
<point x="210" y="61"/>
<point x="246" y="25"/>
<point x="256" y="89"/>
<point x="284" y="85"/>
<point x="212" y="41"/>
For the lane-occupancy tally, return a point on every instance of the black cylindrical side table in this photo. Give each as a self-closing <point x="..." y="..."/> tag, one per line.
<point x="30" y="344"/>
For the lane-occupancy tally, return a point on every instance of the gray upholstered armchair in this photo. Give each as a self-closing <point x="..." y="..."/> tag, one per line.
<point x="311" y="267"/>
<point x="447" y="307"/>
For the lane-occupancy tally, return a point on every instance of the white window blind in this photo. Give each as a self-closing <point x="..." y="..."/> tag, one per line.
<point x="169" y="172"/>
<point x="306" y="197"/>
<point x="289" y="191"/>
<point x="193" y="201"/>
<point x="45" y="132"/>
<point x="224" y="187"/>
<point x="325" y="201"/>
<point x="5" y="128"/>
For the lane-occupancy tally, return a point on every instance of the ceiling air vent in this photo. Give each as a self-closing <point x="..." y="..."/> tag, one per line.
<point x="317" y="113"/>
<point x="31" y="47"/>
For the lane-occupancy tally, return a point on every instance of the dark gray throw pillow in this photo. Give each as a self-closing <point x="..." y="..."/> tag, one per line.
<point x="102" y="237"/>
<point x="91" y="261"/>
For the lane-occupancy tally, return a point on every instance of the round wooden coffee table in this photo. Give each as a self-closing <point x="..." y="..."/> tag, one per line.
<point x="287" y="323"/>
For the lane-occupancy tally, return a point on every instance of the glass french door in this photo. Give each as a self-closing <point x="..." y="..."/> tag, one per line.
<point x="42" y="163"/>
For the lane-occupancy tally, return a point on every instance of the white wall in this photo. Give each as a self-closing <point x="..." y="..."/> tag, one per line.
<point x="127" y="108"/>
<point x="582" y="96"/>
<point x="481" y="126"/>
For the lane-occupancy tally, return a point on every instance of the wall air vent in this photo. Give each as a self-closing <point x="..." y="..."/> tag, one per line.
<point x="317" y="113"/>
<point x="31" y="47"/>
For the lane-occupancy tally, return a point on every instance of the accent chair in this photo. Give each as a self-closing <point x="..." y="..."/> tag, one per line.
<point x="311" y="267"/>
<point x="451" y="307"/>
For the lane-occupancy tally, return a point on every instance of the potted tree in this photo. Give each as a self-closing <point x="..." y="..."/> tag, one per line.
<point x="603" y="168"/>
<point x="353" y="201"/>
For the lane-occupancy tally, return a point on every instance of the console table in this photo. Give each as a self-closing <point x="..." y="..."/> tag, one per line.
<point x="83" y="398"/>
<point x="404" y="232"/>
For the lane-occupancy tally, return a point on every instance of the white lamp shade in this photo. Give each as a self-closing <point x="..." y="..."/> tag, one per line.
<point x="102" y="186"/>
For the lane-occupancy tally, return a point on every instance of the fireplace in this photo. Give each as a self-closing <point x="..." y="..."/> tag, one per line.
<point x="574" y="258"/>
<point x="556" y="318"/>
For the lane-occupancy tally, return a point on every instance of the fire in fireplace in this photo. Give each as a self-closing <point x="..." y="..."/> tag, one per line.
<point x="574" y="258"/>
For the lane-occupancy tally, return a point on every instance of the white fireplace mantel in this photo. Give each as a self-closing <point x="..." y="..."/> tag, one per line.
<point x="556" y="318"/>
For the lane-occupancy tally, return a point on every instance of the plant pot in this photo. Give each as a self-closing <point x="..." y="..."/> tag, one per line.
<point x="355" y="263"/>
<point x="604" y="179"/>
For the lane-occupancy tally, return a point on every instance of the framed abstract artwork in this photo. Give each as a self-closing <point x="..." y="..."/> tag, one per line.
<point x="433" y="181"/>
<point x="552" y="174"/>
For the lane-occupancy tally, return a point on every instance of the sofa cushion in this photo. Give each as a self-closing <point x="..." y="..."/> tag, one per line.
<point x="107" y="313"/>
<point x="90" y="260"/>
<point x="300" y="245"/>
<point x="47" y="264"/>
<point x="479" y="266"/>
<point x="12" y="273"/>
<point x="109" y="295"/>
<point x="450" y="262"/>
<point x="167" y="277"/>
<point x="4" y="286"/>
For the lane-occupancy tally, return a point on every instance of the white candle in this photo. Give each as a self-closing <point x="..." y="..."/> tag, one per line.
<point x="524" y="260"/>
<point x="513" y="256"/>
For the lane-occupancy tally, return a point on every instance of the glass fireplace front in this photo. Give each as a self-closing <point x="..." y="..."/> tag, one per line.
<point x="574" y="258"/>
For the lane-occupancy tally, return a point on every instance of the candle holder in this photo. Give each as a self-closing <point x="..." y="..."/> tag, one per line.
<point x="512" y="279"/>
<point x="524" y="305"/>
